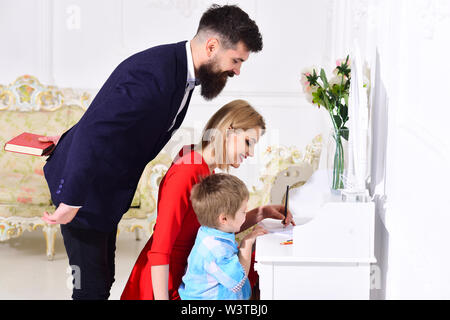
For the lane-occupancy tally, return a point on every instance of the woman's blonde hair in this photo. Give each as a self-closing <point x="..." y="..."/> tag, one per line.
<point x="237" y="115"/>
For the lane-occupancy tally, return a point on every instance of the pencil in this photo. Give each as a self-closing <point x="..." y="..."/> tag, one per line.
<point x="286" y="204"/>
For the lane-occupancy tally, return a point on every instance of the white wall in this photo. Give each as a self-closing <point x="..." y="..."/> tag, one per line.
<point x="412" y="227"/>
<point x="20" y="47"/>
<point x="418" y="209"/>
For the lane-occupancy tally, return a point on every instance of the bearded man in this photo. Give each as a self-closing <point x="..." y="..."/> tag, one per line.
<point x="96" y="165"/>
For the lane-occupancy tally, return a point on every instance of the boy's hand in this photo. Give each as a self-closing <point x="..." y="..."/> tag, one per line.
<point x="257" y="231"/>
<point x="245" y="249"/>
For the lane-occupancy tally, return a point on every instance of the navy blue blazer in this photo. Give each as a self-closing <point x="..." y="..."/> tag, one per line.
<point x="98" y="162"/>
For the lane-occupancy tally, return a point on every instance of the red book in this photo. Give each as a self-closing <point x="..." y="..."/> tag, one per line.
<point x="28" y="143"/>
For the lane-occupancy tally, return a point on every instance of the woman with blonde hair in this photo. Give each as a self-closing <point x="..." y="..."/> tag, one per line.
<point x="228" y="138"/>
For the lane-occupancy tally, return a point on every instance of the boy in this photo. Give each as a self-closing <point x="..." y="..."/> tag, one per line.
<point x="217" y="269"/>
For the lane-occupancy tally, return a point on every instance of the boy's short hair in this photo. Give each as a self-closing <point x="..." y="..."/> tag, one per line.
<point x="216" y="194"/>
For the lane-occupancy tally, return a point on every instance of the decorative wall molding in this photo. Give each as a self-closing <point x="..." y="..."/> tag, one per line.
<point x="287" y="99"/>
<point x="184" y="8"/>
<point x="259" y="99"/>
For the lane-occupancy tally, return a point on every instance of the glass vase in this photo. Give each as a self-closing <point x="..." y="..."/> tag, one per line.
<point x="337" y="158"/>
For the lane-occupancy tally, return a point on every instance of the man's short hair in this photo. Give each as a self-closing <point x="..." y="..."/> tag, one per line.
<point x="233" y="25"/>
<point x="216" y="194"/>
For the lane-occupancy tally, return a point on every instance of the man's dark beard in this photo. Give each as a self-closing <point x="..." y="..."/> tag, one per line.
<point x="212" y="82"/>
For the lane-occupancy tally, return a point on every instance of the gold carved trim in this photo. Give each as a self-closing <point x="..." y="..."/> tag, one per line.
<point x="27" y="93"/>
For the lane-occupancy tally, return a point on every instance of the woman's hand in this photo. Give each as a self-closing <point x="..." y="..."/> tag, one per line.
<point x="273" y="211"/>
<point x="276" y="211"/>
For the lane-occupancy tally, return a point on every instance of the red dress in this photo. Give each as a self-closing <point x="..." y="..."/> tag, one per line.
<point x="175" y="229"/>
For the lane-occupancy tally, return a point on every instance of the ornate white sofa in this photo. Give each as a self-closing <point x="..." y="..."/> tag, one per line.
<point x="288" y="162"/>
<point x="28" y="105"/>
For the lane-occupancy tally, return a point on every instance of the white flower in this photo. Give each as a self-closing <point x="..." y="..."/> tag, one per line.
<point x="308" y="89"/>
<point x="303" y="79"/>
<point x="340" y="62"/>
<point x="337" y="79"/>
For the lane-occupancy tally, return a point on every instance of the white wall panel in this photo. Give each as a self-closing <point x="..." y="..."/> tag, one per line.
<point x="412" y="38"/>
<point x="20" y="52"/>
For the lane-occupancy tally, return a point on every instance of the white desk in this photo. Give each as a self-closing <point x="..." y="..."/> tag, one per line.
<point x="330" y="257"/>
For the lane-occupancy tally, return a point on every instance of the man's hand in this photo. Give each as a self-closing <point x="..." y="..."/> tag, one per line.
<point x="276" y="211"/>
<point x="63" y="214"/>
<point x="53" y="139"/>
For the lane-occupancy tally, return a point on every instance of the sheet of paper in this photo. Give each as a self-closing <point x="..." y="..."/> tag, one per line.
<point x="275" y="226"/>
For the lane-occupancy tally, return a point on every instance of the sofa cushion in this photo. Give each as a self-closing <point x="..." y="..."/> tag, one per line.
<point x="24" y="210"/>
<point x="17" y="188"/>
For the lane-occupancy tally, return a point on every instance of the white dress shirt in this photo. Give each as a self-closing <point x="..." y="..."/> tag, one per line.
<point x="190" y="81"/>
<point x="190" y="84"/>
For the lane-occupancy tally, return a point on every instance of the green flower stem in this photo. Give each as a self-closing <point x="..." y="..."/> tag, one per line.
<point x="331" y="99"/>
<point x="338" y="166"/>
<point x="338" y="156"/>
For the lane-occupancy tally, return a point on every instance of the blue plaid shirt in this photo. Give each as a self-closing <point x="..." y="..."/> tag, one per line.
<point x="214" y="271"/>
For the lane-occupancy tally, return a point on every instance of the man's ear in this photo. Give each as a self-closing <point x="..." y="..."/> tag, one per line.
<point x="212" y="45"/>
